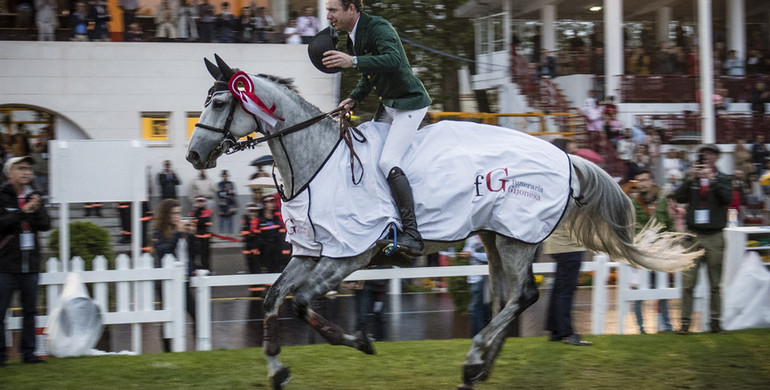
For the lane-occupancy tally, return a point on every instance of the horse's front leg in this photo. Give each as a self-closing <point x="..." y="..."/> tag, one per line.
<point x="294" y="274"/>
<point x="326" y="276"/>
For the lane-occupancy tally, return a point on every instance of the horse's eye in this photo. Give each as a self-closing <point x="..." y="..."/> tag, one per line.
<point x="218" y="104"/>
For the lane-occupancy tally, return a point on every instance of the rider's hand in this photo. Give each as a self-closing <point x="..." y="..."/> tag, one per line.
<point x="349" y="104"/>
<point x="335" y="58"/>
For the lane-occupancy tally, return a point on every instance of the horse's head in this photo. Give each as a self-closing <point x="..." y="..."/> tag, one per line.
<point x="231" y="111"/>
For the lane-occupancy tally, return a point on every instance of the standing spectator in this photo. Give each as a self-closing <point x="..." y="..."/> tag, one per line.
<point x="206" y="22"/>
<point x="759" y="153"/>
<point x="201" y="240"/>
<point x="568" y="256"/>
<point x="79" y="22"/>
<point x="272" y="236"/>
<point x="639" y="62"/>
<point x="307" y="24"/>
<point x="186" y="15"/>
<point x="546" y="67"/>
<point x="291" y="32"/>
<point x="733" y="65"/>
<point x="166" y="21"/>
<point x="171" y="236"/>
<point x="22" y="216"/>
<point x="754" y="62"/>
<point x="250" y="235"/>
<point x="99" y="16"/>
<point x="264" y="24"/>
<point x="479" y="309"/>
<point x="692" y="61"/>
<point x="202" y="185"/>
<point x="129" y="8"/>
<point x="759" y="96"/>
<point x="47" y="19"/>
<point x="742" y="160"/>
<point x="245" y="28"/>
<point x="625" y="146"/>
<point x="168" y="181"/>
<point x="648" y="204"/>
<point x="370" y="306"/>
<point x="226" y="204"/>
<point x="225" y="24"/>
<point x="708" y="192"/>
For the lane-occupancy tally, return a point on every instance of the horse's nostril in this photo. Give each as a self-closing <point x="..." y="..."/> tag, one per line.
<point x="193" y="157"/>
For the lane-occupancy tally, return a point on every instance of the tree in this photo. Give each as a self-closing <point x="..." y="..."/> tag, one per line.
<point x="431" y="24"/>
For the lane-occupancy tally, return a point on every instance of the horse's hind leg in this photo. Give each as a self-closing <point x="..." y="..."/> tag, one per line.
<point x="327" y="275"/>
<point x="510" y="263"/>
<point x="295" y="272"/>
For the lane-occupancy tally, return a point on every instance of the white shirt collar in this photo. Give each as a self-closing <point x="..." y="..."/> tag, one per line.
<point x="352" y="33"/>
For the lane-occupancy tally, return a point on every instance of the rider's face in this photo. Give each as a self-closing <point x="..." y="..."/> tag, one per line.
<point x="340" y="18"/>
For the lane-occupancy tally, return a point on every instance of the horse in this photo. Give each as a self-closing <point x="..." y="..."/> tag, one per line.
<point x="598" y="213"/>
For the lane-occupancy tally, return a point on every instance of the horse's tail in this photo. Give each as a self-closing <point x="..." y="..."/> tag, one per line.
<point x="603" y="220"/>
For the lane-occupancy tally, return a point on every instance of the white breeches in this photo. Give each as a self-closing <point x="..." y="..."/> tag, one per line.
<point x="403" y="128"/>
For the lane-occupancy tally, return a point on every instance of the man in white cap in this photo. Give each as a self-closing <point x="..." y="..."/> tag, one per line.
<point x="22" y="216"/>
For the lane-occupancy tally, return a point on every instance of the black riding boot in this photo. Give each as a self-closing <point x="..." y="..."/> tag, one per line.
<point x="409" y="241"/>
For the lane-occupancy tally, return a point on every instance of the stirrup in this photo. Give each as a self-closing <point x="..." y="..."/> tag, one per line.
<point x="391" y="246"/>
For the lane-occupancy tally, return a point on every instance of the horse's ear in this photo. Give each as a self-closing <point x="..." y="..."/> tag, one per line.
<point x="213" y="69"/>
<point x="226" y="71"/>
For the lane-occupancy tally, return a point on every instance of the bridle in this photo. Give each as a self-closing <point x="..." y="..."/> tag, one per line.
<point x="230" y="144"/>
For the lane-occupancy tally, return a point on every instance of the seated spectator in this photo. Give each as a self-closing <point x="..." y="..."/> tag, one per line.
<point x="98" y="15"/>
<point x="165" y="21"/>
<point x="135" y="33"/>
<point x="79" y="22"/>
<point x="639" y="62"/>
<point x="733" y="65"/>
<point x="546" y="67"/>
<point x="759" y="96"/>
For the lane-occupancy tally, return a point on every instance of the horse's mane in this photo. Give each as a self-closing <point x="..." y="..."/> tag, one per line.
<point x="288" y="83"/>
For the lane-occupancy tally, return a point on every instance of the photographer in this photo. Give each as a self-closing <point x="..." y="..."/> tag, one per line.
<point x="22" y="216"/>
<point x="707" y="192"/>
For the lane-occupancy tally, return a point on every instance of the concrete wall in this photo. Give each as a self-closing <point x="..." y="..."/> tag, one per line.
<point x="99" y="90"/>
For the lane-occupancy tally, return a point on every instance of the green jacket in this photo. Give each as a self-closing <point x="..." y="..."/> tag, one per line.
<point x="384" y="68"/>
<point x="661" y="213"/>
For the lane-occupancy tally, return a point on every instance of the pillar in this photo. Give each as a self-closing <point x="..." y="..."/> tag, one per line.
<point x="708" y="133"/>
<point x="613" y="46"/>
<point x="548" y="15"/>
<point x="736" y="27"/>
<point x="661" y="27"/>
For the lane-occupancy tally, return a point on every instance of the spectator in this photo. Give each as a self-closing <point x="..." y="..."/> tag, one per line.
<point x="250" y="235"/>
<point x="665" y="59"/>
<point x="264" y="24"/>
<point x="202" y="185"/>
<point x="639" y="131"/>
<point x="546" y="67"/>
<point x="568" y="256"/>
<point x="759" y="153"/>
<point x="246" y="27"/>
<point x="639" y="62"/>
<point x="273" y="236"/>
<point x="291" y="33"/>
<point x="135" y="33"/>
<point x="226" y="204"/>
<point x="168" y="181"/>
<point x="625" y="146"/>
<point x="23" y="215"/>
<point x="206" y="22"/>
<point x="79" y="22"/>
<point x="307" y="24"/>
<point x="166" y="21"/>
<point x="649" y="204"/>
<point x="226" y="24"/>
<point x="754" y="62"/>
<point x="733" y="65"/>
<point x="707" y="192"/>
<point x="186" y="28"/>
<point x="641" y="160"/>
<point x="479" y="309"/>
<point x="759" y="96"/>
<point x="47" y="19"/>
<point x="201" y="239"/>
<point x="742" y="160"/>
<point x="129" y="8"/>
<point x="99" y="15"/>
<point x="692" y="61"/>
<point x="371" y="296"/>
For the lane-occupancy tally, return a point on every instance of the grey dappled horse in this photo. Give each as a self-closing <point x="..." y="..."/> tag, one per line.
<point x="603" y="221"/>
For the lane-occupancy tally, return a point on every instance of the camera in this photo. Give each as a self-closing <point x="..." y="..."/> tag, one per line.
<point x="701" y="159"/>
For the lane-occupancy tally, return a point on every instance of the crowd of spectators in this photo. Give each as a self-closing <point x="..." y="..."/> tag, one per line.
<point x="171" y="20"/>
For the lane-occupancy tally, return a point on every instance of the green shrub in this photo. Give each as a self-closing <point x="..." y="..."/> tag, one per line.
<point x="87" y="240"/>
<point x="458" y="287"/>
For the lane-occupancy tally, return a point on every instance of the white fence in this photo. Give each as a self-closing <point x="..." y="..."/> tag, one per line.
<point x="134" y="292"/>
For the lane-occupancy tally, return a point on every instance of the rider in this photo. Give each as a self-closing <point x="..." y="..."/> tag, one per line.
<point x="378" y="54"/>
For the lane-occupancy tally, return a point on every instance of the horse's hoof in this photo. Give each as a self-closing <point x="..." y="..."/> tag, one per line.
<point x="281" y="378"/>
<point x="363" y="343"/>
<point x="474" y="373"/>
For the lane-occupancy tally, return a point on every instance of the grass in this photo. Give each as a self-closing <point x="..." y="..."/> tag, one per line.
<point x="735" y="360"/>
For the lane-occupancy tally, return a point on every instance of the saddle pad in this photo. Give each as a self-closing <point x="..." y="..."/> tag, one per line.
<point x="465" y="177"/>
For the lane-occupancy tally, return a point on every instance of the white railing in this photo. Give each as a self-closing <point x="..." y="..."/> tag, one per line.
<point x="134" y="292"/>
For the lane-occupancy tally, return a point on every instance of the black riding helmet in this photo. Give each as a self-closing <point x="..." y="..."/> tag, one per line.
<point x="322" y="42"/>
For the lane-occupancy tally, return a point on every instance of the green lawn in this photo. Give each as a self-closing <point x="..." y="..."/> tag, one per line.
<point x="735" y="360"/>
